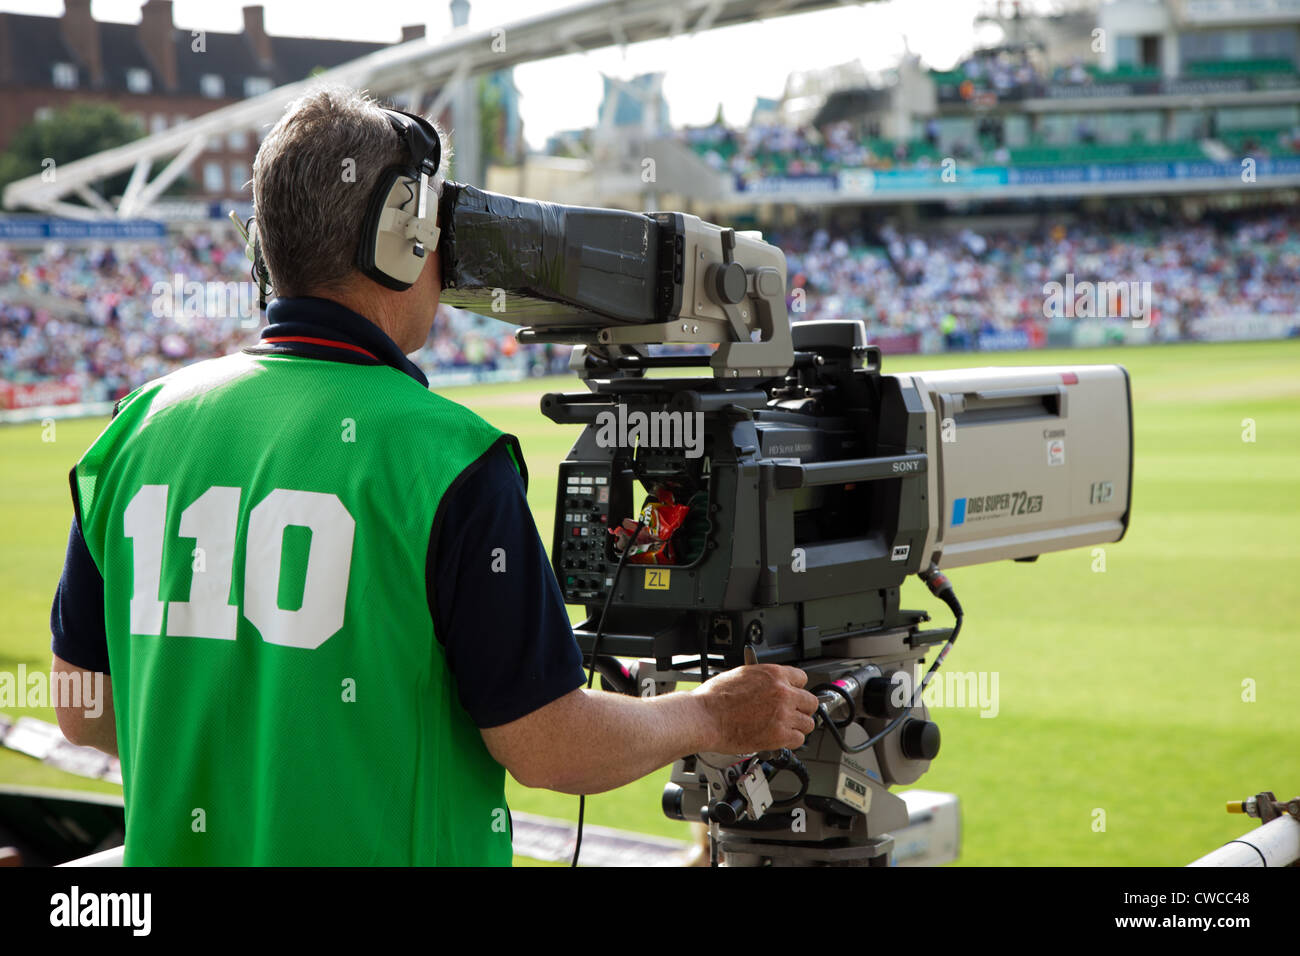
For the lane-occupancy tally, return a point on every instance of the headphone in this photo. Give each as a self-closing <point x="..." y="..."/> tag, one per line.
<point x="400" y="225"/>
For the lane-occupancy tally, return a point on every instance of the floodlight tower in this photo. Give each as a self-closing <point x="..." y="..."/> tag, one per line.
<point x="465" y="111"/>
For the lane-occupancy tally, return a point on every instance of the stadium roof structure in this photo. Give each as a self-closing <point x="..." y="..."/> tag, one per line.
<point x="404" y="69"/>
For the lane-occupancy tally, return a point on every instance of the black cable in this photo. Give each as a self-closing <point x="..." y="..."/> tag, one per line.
<point x="786" y="760"/>
<point x="897" y="721"/>
<point x="591" y="674"/>
<point x="410" y="193"/>
<point x="850" y="707"/>
<point x="941" y="588"/>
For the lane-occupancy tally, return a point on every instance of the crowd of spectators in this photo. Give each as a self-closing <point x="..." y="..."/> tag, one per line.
<point x="761" y="150"/>
<point x="774" y="149"/>
<point x="107" y="318"/>
<point x="1006" y="70"/>
<point x="941" y="281"/>
<point x="94" y="316"/>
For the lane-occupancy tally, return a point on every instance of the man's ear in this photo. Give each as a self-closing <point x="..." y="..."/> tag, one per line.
<point x="430" y="281"/>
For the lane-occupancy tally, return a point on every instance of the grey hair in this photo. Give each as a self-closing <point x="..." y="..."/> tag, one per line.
<point x="312" y="180"/>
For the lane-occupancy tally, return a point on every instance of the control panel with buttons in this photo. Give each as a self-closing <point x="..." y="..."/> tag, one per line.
<point x="586" y="499"/>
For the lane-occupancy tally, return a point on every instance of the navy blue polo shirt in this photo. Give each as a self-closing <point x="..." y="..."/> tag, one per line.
<point x="509" y="657"/>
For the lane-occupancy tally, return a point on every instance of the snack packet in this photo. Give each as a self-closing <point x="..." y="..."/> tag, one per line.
<point x="661" y="517"/>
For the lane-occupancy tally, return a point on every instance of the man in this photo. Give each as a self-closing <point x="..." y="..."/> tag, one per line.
<point x="327" y="615"/>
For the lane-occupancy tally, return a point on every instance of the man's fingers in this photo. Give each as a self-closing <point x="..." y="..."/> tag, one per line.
<point x="806" y="702"/>
<point x="794" y="675"/>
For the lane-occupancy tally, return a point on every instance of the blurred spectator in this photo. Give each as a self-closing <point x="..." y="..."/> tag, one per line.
<point x="955" y="283"/>
<point x="103" y="317"/>
<point x="86" y="316"/>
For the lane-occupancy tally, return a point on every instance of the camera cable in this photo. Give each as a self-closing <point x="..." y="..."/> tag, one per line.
<point x="941" y="588"/>
<point x="595" y="653"/>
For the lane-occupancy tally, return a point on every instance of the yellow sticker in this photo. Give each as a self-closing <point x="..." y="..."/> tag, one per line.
<point x="656" y="579"/>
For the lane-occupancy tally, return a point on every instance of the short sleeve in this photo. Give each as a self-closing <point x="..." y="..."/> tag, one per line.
<point x="77" y="616"/>
<point x="497" y="608"/>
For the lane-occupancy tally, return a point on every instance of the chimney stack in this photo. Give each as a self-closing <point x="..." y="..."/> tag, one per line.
<point x="158" y="41"/>
<point x="6" y="53"/>
<point x="255" y="34"/>
<point x="81" y="34"/>
<point x="412" y="32"/>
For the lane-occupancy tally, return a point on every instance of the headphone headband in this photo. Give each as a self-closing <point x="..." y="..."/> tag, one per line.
<point x="420" y="138"/>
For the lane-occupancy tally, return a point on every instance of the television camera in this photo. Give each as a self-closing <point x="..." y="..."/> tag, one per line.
<point x="763" y="497"/>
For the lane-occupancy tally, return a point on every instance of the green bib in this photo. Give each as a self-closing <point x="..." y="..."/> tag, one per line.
<point x="262" y="527"/>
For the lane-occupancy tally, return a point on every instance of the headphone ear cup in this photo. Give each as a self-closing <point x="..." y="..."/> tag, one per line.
<point x="387" y="256"/>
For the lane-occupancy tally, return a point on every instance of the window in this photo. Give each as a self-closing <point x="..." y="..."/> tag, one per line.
<point x="237" y="140"/>
<point x="1258" y="117"/>
<point x="256" y="85"/>
<point x="1016" y="130"/>
<point x="157" y="123"/>
<point x="138" y="80"/>
<point x="179" y="118"/>
<point x="65" y="76"/>
<point x="212" y="86"/>
<point x="238" y="177"/>
<point x="1130" y="126"/>
<point x="1189" y="124"/>
<point x="1237" y="45"/>
<point x="214" y="180"/>
<point x="43" y="113"/>
<point x="1150" y="49"/>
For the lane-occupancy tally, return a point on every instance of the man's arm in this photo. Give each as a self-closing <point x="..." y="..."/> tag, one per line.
<point x="98" y="731"/>
<point x="500" y="615"/>
<point x="592" y="741"/>
<point x="80" y="647"/>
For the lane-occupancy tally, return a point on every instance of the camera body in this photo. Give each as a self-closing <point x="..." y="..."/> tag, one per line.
<point x="818" y="493"/>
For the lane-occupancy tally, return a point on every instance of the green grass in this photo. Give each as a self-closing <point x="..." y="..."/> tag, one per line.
<point x="1119" y="691"/>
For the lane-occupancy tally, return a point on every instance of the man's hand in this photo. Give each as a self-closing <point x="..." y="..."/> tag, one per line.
<point x="592" y="741"/>
<point x="757" y="707"/>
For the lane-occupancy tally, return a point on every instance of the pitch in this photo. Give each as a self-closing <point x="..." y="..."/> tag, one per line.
<point x="1138" y="687"/>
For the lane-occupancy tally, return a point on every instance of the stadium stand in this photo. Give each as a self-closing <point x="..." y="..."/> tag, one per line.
<point x="87" y="317"/>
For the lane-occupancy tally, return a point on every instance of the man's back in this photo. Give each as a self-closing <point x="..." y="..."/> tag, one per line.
<point x="262" y="525"/>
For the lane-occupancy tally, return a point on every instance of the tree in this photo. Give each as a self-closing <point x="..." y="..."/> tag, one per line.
<point x="73" y="132"/>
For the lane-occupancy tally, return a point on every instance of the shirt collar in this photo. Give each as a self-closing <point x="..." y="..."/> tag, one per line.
<point x="327" y="321"/>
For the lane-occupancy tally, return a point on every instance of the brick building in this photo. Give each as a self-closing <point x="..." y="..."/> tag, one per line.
<point x="157" y="73"/>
